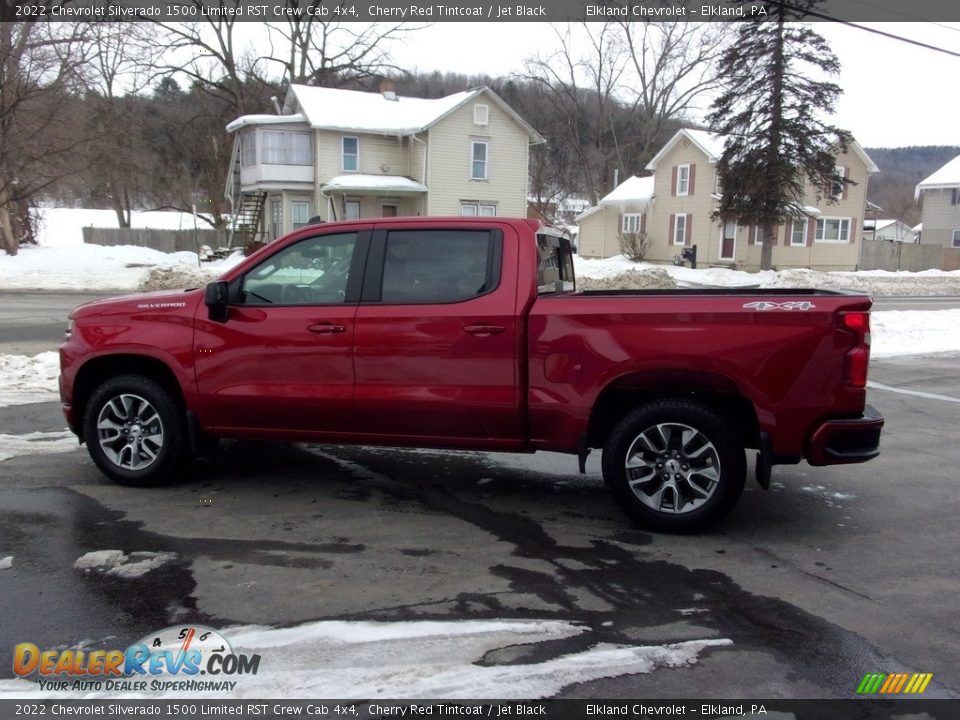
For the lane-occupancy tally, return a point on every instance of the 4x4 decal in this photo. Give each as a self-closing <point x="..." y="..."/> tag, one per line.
<point x="791" y="305"/>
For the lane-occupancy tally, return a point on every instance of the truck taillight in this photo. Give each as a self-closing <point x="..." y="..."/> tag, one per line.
<point x="858" y="357"/>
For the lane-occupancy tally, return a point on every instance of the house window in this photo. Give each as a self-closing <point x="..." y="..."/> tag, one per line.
<point x="683" y="180"/>
<point x="758" y="235"/>
<point x="351" y="210"/>
<point x="248" y="149"/>
<point x="478" y="160"/>
<point x="631" y="222"/>
<point x="299" y="213"/>
<point x="836" y="187"/>
<point x="717" y="185"/>
<point x="282" y="147"/>
<point x="477" y="209"/>
<point x="833" y="230"/>
<point x="276" y="218"/>
<point x="798" y="234"/>
<point x="956" y="238"/>
<point x="680" y="230"/>
<point x="955" y="198"/>
<point x="481" y="114"/>
<point x="350" y="156"/>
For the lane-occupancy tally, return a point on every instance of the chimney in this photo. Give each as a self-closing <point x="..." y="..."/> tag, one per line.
<point x="388" y="89"/>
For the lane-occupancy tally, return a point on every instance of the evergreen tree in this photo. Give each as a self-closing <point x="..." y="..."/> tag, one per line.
<point x="773" y="110"/>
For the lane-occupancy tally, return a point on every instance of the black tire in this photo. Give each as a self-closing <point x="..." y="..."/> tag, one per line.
<point x="687" y="466"/>
<point x="135" y="431"/>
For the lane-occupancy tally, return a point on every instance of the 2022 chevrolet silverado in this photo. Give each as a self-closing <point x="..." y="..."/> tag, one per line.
<point x="468" y="333"/>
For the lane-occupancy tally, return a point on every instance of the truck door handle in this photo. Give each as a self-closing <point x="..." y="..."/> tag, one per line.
<point x="326" y="328"/>
<point x="484" y="330"/>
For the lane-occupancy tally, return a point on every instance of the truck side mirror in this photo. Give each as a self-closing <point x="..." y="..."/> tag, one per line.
<point x="215" y="297"/>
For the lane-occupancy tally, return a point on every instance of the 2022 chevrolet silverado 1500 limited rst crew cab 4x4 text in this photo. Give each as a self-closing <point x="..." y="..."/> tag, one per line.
<point x="468" y="333"/>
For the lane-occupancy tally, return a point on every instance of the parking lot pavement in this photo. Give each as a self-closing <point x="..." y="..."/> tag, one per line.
<point x="833" y="573"/>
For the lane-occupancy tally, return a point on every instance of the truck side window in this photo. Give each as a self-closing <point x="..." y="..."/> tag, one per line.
<point x="439" y="266"/>
<point x="311" y="272"/>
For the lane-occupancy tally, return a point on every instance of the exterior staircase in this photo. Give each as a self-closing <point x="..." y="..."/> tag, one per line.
<point x="246" y="208"/>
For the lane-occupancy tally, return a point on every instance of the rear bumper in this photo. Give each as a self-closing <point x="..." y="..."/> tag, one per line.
<point x="848" y="440"/>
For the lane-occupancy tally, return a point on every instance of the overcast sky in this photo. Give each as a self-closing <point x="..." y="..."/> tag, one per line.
<point x="895" y="94"/>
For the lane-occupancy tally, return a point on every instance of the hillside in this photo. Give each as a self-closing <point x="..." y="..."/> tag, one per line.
<point x="900" y="171"/>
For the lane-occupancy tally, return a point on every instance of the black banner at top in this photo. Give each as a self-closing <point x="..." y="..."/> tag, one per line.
<point x="473" y="10"/>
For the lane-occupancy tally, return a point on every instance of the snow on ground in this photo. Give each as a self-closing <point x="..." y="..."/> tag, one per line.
<point x="6" y="563"/>
<point x="620" y="272"/>
<point x="116" y="563"/>
<point x="421" y="659"/>
<point x="28" y="379"/>
<point x="61" y="260"/>
<point x="914" y="332"/>
<point x="37" y="443"/>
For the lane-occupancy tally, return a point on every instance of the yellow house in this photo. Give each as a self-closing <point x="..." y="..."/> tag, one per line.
<point x="344" y="154"/>
<point x="941" y="206"/>
<point x="685" y="194"/>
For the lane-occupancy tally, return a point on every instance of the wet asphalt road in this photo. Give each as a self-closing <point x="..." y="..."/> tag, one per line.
<point x="833" y="573"/>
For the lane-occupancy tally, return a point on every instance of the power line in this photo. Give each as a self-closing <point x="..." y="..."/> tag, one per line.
<point x="824" y="16"/>
<point x="905" y="15"/>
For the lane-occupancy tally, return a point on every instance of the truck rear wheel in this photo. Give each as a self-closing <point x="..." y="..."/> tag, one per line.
<point x="134" y="431"/>
<point x="674" y="466"/>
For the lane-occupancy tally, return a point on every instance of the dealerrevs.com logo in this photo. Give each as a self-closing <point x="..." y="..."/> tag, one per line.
<point x="180" y="658"/>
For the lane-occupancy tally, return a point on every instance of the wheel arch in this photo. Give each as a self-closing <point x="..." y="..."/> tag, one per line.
<point x="96" y="370"/>
<point x="712" y="390"/>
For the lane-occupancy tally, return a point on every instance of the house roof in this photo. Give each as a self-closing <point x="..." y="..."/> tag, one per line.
<point x="380" y="183"/>
<point x="712" y="145"/>
<point x="373" y="112"/>
<point x="882" y="223"/>
<point x="265" y="120"/>
<point x="946" y="177"/>
<point x="633" y="193"/>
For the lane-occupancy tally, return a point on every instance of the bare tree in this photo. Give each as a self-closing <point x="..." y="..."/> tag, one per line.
<point x="121" y="66"/>
<point x="673" y="66"/>
<point x="580" y="89"/>
<point x="613" y="89"/>
<point x="312" y="51"/>
<point x="39" y="65"/>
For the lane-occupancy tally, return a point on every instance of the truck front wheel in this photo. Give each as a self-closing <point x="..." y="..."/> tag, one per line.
<point x="674" y="466"/>
<point x="134" y="431"/>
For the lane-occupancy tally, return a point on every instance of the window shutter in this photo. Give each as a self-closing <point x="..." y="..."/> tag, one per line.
<point x="752" y="235"/>
<point x="620" y="222"/>
<point x="776" y="234"/>
<point x="643" y="222"/>
<point x="688" y="232"/>
<point x="673" y="181"/>
<point x="693" y="174"/>
<point x="811" y="231"/>
<point x="673" y="221"/>
<point x="853" y="230"/>
<point x="846" y="174"/>
<point x="787" y="233"/>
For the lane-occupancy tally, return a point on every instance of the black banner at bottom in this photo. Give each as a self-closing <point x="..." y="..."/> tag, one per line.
<point x="854" y="709"/>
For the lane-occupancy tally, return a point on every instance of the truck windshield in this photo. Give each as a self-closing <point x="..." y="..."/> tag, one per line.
<point x="555" y="270"/>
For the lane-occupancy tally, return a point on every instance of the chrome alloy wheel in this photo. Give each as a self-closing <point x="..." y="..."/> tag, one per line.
<point x="672" y="468"/>
<point x="130" y="432"/>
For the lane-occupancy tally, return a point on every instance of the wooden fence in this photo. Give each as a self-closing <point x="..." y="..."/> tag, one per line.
<point x="162" y="240"/>
<point x="893" y="256"/>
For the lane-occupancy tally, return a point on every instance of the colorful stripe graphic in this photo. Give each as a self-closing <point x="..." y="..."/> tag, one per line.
<point x="894" y="683"/>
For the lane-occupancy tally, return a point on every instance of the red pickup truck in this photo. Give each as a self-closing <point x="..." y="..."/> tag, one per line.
<point x="469" y="333"/>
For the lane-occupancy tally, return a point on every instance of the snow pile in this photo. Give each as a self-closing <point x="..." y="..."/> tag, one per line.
<point x="175" y="278"/>
<point x="118" y="564"/>
<point x="6" y="563"/>
<point x="914" y="332"/>
<point x="36" y="443"/>
<point x="425" y="659"/>
<point x="647" y="279"/>
<point x="619" y="272"/>
<point x="25" y="379"/>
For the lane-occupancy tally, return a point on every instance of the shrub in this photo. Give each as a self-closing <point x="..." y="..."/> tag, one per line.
<point x="634" y="245"/>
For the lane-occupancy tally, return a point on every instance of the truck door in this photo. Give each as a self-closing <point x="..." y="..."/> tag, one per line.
<point x="437" y="338"/>
<point x="283" y="360"/>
